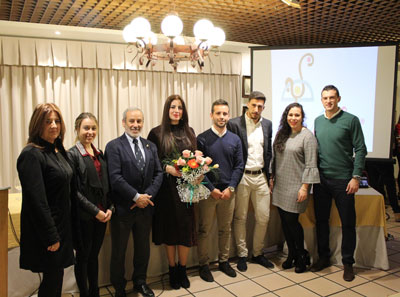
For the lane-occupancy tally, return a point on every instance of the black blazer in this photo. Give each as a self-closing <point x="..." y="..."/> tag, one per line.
<point x="91" y="189"/>
<point x="238" y="126"/>
<point x="126" y="180"/>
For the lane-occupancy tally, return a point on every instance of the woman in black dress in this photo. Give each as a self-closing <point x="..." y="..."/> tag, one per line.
<point x="94" y="209"/>
<point x="45" y="175"/>
<point x="174" y="223"/>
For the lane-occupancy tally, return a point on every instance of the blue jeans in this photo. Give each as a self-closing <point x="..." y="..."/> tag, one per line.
<point x="323" y="194"/>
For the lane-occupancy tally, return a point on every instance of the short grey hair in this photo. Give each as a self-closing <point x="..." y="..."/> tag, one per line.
<point x="131" y="109"/>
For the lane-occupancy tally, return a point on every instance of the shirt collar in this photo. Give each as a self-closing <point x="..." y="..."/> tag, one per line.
<point x="216" y="132"/>
<point x="130" y="138"/>
<point x="250" y="121"/>
<point x="335" y="114"/>
<point x="83" y="151"/>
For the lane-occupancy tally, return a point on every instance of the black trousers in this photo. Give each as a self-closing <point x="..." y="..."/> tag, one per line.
<point x="139" y="223"/>
<point x="381" y="174"/>
<point x="323" y="194"/>
<point x="293" y="232"/>
<point x="87" y="264"/>
<point x="51" y="285"/>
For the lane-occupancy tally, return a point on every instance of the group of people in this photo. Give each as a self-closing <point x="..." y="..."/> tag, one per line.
<point x="68" y="196"/>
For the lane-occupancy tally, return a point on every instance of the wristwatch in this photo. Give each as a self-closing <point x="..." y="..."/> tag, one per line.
<point x="232" y="189"/>
<point x="357" y="177"/>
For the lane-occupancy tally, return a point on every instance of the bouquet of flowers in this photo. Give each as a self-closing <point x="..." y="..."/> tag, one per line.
<point x="192" y="165"/>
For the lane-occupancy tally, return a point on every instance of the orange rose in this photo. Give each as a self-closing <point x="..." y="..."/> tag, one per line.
<point x="193" y="164"/>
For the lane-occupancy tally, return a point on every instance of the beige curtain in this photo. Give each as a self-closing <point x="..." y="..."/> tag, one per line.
<point x="104" y="92"/>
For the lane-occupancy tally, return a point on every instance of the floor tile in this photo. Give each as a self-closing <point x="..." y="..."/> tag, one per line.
<point x="337" y="277"/>
<point x="373" y="290"/>
<point x="395" y="257"/>
<point x="296" y="290"/>
<point x="222" y="279"/>
<point x="246" y="288"/>
<point x="164" y="290"/>
<point x="370" y="274"/>
<point x="391" y="252"/>
<point x="322" y="286"/>
<point x="197" y="284"/>
<point x="391" y="281"/>
<point x="270" y="294"/>
<point x="346" y="293"/>
<point x="254" y="270"/>
<point x="273" y="281"/>
<point x="298" y="277"/>
<point x="393" y="244"/>
<point x="220" y="292"/>
<point x="328" y="270"/>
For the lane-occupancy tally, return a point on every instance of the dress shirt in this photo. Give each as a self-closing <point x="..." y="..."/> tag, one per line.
<point x="255" y="141"/>
<point x="216" y="131"/>
<point x="130" y="140"/>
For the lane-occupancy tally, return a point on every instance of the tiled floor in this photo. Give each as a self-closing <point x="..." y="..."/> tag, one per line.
<point x="259" y="281"/>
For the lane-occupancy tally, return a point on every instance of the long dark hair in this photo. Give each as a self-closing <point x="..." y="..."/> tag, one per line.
<point x="167" y="141"/>
<point x="284" y="129"/>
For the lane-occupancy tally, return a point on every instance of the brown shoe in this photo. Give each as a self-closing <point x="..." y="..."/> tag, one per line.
<point x="348" y="274"/>
<point x="397" y="217"/>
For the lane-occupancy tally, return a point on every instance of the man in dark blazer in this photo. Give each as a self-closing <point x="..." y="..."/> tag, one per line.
<point x="255" y="133"/>
<point x="135" y="177"/>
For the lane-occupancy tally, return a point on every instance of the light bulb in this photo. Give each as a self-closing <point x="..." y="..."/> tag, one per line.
<point x="141" y="27"/>
<point x="179" y="40"/>
<point x="217" y="37"/>
<point x="129" y="34"/>
<point x="202" y="29"/>
<point x="171" y="26"/>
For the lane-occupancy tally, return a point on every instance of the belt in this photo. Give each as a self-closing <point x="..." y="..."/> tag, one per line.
<point x="255" y="172"/>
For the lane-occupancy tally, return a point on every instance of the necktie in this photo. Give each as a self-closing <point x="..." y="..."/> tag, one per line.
<point x="138" y="155"/>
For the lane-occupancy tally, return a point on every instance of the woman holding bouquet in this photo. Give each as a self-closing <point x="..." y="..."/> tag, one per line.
<point x="294" y="169"/>
<point x="174" y="223"/>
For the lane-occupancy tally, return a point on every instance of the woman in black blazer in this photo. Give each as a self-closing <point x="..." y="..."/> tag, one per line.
<point x="94" y="208"/>
<point x="45" y="175"/>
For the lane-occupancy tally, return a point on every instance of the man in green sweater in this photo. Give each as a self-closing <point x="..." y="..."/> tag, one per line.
<point x="339" y="137"/>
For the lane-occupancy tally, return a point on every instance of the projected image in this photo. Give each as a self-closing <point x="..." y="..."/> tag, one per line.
<point x="298" y="75"/>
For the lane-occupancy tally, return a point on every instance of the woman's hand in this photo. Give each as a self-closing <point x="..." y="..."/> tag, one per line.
<point x="101" y="216"/>
<point x="271" y="185"/>
<point x="199" y="179"/>
<point x="108" y="216"/>
<point x="54" y="247"/>
<point x="172" y="170"/>
<point x="302" y="194"/>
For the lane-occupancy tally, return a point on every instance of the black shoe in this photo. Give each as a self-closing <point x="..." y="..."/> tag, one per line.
<point x="94" y="292"/>
<point x="227" y="269"/>
<point x="182" y="276"/>
<point x="289" y="262"/>
<point x="260" y="259"/>
<point x="242" y="265"/>
<point x="144" y="290"/>
<point x="120" y="293"/>
<point x="173" y="278"/>
<point x="321" y="264"/>
<point x="205" y="273"/>
<point x="348" y="273"/>
<point x="302" y="261"/>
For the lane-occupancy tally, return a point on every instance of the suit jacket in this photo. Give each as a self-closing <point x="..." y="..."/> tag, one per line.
<point x="126" y="180"/>
<point x="238" y="126"/>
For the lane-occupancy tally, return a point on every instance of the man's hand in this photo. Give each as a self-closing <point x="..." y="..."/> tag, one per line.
<point x="143" y="201"/>
<point x="352" y="186"/>
<point x="108" y="216"/>
<point x="216" y="194"/>
<point x="226" y="194"/>
<point x="101" y="216"/>
<point x="54" y="247"/>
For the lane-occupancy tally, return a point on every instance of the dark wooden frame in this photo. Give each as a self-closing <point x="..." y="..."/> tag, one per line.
<point x="246" y="78"/>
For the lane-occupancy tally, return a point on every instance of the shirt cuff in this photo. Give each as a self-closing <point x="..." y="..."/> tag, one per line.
<point x="136" y="197"/>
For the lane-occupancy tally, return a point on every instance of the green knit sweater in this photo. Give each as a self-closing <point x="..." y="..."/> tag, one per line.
<point x="338" y="139"/>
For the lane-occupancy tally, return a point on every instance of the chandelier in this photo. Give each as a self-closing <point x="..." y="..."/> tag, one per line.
<point x="140" y="37"/>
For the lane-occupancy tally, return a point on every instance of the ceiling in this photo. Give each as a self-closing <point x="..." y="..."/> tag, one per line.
<point x="266" y="22"/>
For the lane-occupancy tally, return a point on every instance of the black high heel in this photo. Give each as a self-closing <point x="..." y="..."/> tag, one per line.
<point x="289" y="262"/>
<point x="302" y="261"/>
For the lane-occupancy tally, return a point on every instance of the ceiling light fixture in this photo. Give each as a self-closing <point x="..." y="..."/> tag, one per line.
<point x="139" y="36"/>
<point x="292" y="3"/>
